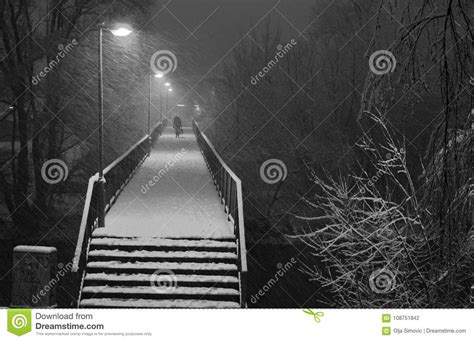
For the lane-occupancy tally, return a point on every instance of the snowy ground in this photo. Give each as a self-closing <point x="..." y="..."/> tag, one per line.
<point x="180" y="200"/>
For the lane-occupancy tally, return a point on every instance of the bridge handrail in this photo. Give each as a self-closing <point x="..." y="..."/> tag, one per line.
<point x="118" y="173"/>
<point x="124" y="155"/>
<point x="229" y="187"/>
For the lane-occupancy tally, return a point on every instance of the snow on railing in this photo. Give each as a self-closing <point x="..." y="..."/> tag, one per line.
<point x="117" y="175"/>
<point x="229" y="187"/>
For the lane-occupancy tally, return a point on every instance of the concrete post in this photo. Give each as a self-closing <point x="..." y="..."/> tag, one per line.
<point x="34" y="276"/>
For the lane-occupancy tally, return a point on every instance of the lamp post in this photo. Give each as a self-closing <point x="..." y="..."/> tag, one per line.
<point x="167" y="97"/>
<point x="182" y="109"/>
<point x="160" y="77"/>
<point x="150" y="77"/>
<point x="120" y="32"/>
<point x="150" y="85"/>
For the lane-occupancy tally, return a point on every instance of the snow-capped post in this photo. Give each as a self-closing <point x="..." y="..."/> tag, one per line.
<point x="34" y="276"/>
<point x="150" y="78"/>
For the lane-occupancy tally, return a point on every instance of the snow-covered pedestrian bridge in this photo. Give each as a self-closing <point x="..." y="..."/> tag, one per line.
<point x="174" y="232"/>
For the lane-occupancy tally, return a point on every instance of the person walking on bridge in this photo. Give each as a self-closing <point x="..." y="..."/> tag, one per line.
<point x="178" y="126"/>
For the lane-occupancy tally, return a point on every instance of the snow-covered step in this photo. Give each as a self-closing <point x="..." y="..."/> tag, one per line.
<point x="175" y="256"/>
<point x="156" y="292"/>
<point x="95" y="279"/>
<point x="152" y="267"/>
<point x="147" y="243"/>
<point x="127" y="271"/>
<point x="144" y="303"/>
<point x="112" y="233"/>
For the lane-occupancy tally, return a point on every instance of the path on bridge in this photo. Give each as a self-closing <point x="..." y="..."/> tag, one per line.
<point x="180" y="200"/>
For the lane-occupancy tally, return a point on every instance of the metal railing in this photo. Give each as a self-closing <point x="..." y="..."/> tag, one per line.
<point x="229" y="187"/>
<point x="117" y="175"/>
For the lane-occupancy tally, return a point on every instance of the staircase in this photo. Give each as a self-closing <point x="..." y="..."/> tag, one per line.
<point x="123" y="268"/>
<point x="145" y="272"/>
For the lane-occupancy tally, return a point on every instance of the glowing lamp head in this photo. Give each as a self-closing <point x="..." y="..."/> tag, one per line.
<point x="159" y="75"/>
<point x="121" y="30"/>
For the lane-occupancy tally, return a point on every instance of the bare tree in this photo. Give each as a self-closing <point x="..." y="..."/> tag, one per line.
<point x="386" y="236"/>
<point x="32" y="36"/>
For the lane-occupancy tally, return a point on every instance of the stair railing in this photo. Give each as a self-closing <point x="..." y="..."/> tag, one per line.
<point x="117" y="176"/>
<point x="229" y="187"/>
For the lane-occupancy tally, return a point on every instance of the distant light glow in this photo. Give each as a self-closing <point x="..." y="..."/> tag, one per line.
<point x="180" y="105"/>
<point x="159" y="75"/>
<point x="10" y="107"/>
<point x="170" y="89"/>
<point x="167" y="84"/>
<point x="121" y="32"/>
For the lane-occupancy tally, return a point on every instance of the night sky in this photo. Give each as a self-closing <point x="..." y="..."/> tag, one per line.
<point x="214" y="27"/>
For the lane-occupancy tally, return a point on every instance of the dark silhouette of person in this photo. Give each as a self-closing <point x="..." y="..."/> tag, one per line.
<point x="178" y="126"/>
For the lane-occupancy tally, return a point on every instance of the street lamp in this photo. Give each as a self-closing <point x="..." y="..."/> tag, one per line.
<point x="167" y="96"/>
<point x="150" y="76"/>
<point x="120" y="31"/>
<point x="160" y="77"/>
<point x="181" y="111"/>
<point x="197" y="109"/>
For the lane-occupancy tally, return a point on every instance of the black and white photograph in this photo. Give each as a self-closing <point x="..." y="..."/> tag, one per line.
<point x="236" y="154"/>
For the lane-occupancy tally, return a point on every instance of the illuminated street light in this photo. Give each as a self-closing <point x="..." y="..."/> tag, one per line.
<point x="167" y="98"/>
<point x="160" y="76"/>
<point x="167" y="84"/>
<point x="120" y="31"/>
